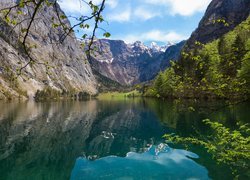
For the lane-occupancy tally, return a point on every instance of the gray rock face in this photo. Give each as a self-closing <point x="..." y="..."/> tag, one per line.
<point x="129" y="64"/>
<point x="70" y="69"/>
<point x="232" y="11"/>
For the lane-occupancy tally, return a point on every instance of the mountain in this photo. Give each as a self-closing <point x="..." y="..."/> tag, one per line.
<point x="129" y="64"/>
<point x="217" y="68"/>
<point x="70" y="71"/>
<point x="220" y="17"/>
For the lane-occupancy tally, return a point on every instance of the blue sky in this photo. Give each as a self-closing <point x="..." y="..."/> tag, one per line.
<point x="144" y="20"/>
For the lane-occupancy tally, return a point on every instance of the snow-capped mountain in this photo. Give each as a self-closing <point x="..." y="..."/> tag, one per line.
<point x="132" y="63"/>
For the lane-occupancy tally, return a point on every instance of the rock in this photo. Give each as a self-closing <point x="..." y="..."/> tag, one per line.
<point x="129" y="64"/>
<point x="69" y="71"/>
<point x="232" y="11"/>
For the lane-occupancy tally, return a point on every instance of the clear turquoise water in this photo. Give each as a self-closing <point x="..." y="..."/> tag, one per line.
<point x="158" y="162"/>
<point x="115" y="139"/>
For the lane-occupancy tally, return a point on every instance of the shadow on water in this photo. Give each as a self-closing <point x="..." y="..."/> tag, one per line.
<point x="52" y="140"/>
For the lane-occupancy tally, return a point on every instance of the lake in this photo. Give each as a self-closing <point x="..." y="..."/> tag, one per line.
<point x="109" y="139"/>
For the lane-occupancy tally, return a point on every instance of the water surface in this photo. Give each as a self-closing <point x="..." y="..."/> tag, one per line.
<point x="109" y="139"/>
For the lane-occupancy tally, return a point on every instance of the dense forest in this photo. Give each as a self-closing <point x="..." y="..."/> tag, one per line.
<point x="219" y="69"/>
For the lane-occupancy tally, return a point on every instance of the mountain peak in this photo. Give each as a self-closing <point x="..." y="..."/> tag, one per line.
<point x="221" y="16"/>
<point x="138" y="45"/>
<point x="157" y="48"/>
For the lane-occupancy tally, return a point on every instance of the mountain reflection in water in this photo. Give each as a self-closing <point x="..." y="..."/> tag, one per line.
<point x="45" y="140"/>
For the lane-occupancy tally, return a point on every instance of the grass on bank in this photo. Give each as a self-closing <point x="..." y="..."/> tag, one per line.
<point x="119" y="95"/>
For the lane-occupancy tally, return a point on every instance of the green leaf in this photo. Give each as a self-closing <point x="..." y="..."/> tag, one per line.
<point x="107" y="34"/>
<point x="84" y="36"/>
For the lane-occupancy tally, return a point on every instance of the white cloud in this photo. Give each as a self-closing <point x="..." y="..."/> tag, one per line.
<point x="80" y="7"/>
<point x="112" y="3"/>
<point x="144" y="13"/>
<point x="149" y="9"/>
<point x="74" y="6"/>
<point x="127" y="13"/>
<point x="154" y="35"/>
<point x="182" y="7"/>
<point x="120" y="16"/>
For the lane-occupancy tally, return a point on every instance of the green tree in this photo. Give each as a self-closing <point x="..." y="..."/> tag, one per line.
<point x="158" y="84"/>
<point x="226" y="63"/>
<point x="222" y="48"/>
<point x="244" y="72"/>
<point x="231" y="147"/>
<point x="170" y="83"/>
<point x="238" y="52"/>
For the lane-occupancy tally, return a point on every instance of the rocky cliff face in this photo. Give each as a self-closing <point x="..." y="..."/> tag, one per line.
<point x="129" y="64"/>
<point x="70" y="70"/>
<point x="211" y="28"/>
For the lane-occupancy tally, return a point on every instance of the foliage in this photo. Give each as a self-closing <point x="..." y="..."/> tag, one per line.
<point x="244" y="72"/>
<point x="49" y="93"/>
<point x="231" y="147"/>
<point x="119" y="95"/>
<point x="219" y="69"/>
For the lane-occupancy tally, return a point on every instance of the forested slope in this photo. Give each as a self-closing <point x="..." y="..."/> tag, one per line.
<point x="219" y="69"/>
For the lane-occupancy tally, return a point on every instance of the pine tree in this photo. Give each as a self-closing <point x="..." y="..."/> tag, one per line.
<point x="158" y="83"/>
<point x="222" y="46"/>
<point x="226" y="64"/>
<point x="238" y="52"/>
